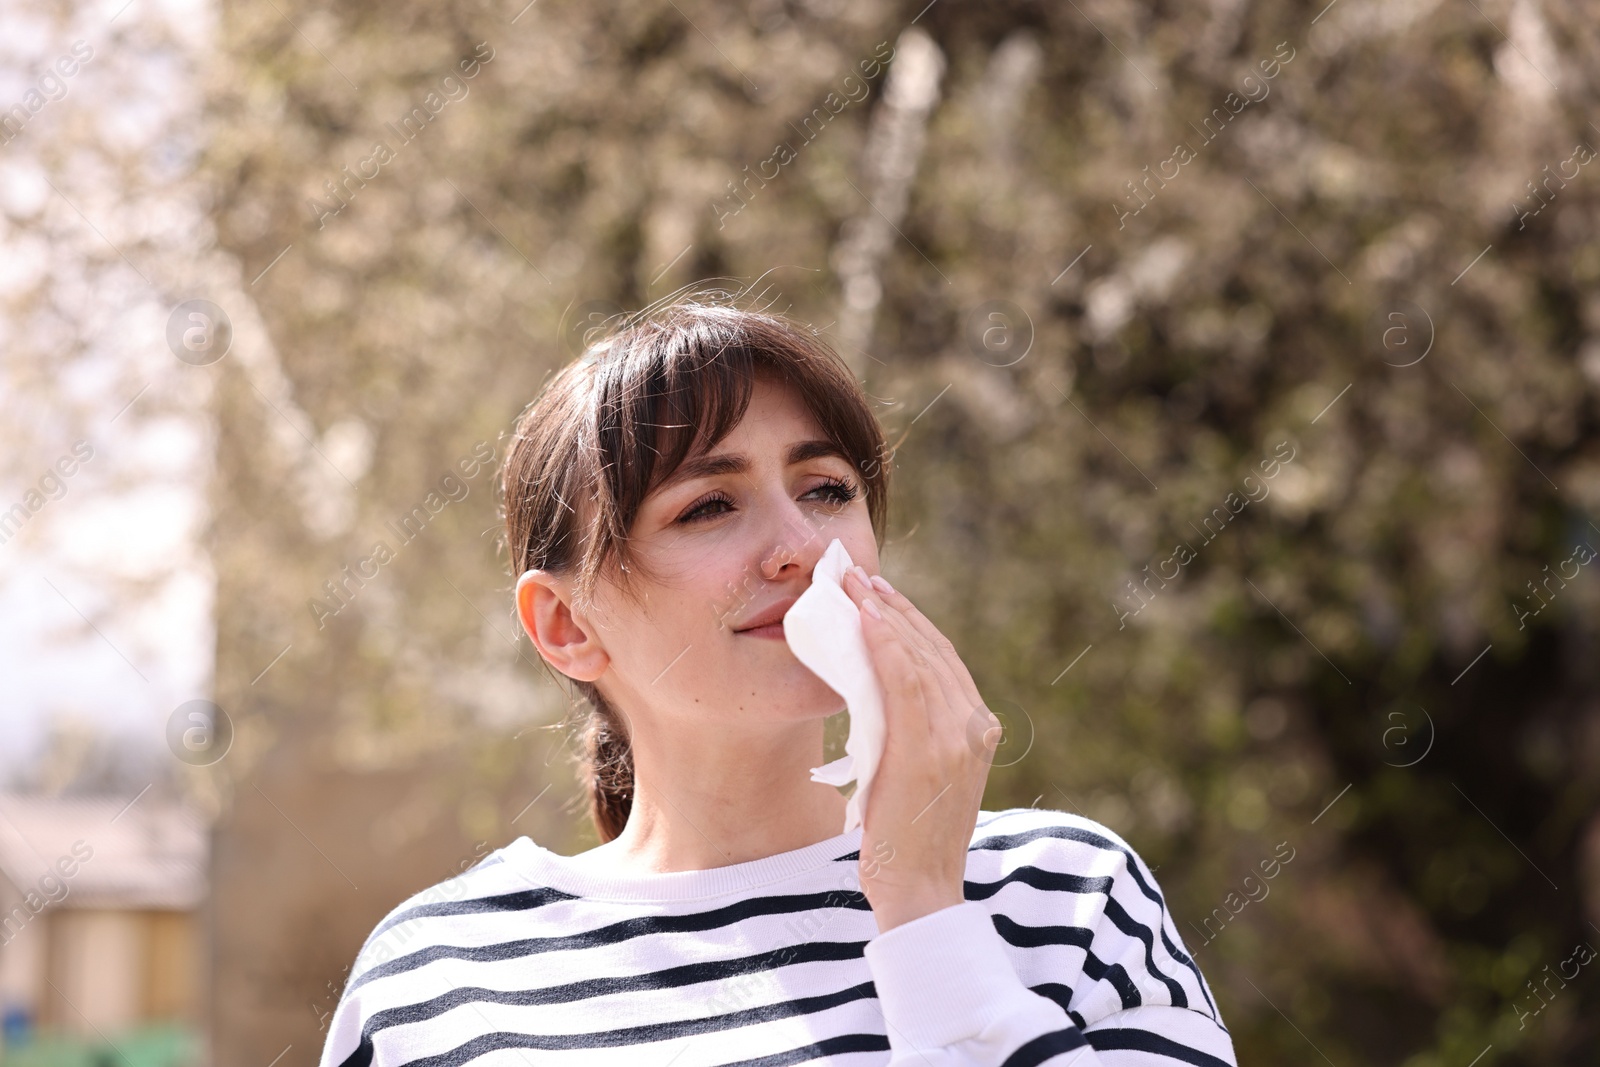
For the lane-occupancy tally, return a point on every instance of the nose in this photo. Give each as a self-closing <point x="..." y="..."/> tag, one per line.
<point x="798" y="544"/>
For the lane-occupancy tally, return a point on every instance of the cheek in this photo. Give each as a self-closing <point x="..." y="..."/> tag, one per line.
<point x="719" y="593"/>
<point x="858" y="540"/>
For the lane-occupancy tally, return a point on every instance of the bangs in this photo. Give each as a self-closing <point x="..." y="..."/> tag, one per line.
<point x="674" y="386"/>
<point x="669" y="395"/>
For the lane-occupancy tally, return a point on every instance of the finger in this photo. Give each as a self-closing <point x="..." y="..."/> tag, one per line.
<point x="905" y="704"/>
<point x="859" y="588"/>
<point x="939" y="686"/>
<point x="948" y="706"/>
<point x="941" y="644"/>
<point x="930" y="635"/>
<point x="860" y="592"/>
<point x="949" y="690"/>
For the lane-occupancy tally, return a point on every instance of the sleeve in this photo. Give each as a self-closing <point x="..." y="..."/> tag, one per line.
<point x="348" y="1044"/>
<point x="951" y="997"/>
<point x="345" y="1038"/>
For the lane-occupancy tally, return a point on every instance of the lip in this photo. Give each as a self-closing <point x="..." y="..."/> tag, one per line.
<point x="768" y="622"/>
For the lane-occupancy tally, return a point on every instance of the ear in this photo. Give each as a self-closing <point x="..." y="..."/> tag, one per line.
<point x="565" y="640"/>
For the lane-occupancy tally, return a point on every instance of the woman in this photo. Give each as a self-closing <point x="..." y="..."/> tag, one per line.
<point x="666" y="499"/>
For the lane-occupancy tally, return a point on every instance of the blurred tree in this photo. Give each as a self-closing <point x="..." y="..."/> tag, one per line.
<point x="1244" y="278"/>
<point x="104" y="434"/>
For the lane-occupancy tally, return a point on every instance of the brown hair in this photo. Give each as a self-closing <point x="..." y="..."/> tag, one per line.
<point x="669" y="382"/>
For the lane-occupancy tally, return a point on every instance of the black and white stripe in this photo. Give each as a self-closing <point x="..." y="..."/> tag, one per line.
<point x="528" y="958"/>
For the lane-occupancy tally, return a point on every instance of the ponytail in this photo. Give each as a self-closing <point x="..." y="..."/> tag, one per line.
<point x="607" y="765"/>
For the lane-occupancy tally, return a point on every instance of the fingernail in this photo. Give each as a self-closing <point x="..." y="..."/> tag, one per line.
<point x="861" y="574"/>
<point x="881" y="584"/>
<point x="871" y="609"/>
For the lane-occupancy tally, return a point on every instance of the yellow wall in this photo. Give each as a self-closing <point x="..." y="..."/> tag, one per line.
<point x="108" y="970"/>
<point x="172" y="967"/>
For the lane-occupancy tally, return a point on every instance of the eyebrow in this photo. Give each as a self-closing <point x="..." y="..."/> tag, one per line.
<point x="708" y="466"/>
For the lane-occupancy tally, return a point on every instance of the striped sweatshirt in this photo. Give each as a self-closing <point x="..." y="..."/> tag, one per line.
<point x="1062" y="952"/>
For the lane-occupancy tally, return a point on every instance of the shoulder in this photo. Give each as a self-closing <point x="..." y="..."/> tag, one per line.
<point x="1039" y="865"/>
<point x="443" y="921"/>
<point x="1086" y="865"/>
<point x="429" y="916"/>
<point x="1051" y="878"/>
<point x="1066" y="841"/>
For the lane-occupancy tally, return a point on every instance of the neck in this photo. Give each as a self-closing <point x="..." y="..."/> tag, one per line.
<point x="703" y="800"/>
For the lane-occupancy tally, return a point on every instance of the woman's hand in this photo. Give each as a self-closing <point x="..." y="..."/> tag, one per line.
<point x="939" y="746"/>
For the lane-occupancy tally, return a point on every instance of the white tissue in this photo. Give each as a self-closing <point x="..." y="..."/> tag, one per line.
<point x="823" y="629"/>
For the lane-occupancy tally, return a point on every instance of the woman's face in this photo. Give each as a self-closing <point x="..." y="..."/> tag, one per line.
<point x="729" y="540"/>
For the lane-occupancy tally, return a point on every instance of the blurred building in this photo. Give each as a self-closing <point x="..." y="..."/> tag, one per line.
<point x="309" y="856"/>
<point x="100" y="914"/>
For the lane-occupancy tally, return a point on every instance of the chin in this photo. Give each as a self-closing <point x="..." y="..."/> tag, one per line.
<point x="804" y="695"/>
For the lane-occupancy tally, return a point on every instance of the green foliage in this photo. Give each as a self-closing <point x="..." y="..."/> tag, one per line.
<point x="165" y="1045"/>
